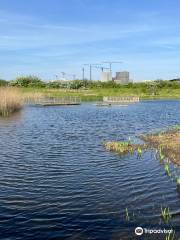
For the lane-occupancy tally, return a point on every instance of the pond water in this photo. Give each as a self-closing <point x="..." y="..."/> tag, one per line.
<point x="58" y="182"/>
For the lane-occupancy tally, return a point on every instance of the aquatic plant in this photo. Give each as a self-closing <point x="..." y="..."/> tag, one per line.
<point x="165" y="214"/>
<point x="161" y="155"/>
<point x="127" y="214"/>
<point x="170" y="236"/>
<point x="124" y="147"/>
<point x="139" y="150"/>
<point x="166" y="168"/>
<point x="10" y="101"/>
<point x="178" y="182"/>
<point x="167" y="144"/>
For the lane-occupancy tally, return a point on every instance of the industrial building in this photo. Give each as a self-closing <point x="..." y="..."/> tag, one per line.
<point x="106" y="76"/>
<point x="122" y="77"/>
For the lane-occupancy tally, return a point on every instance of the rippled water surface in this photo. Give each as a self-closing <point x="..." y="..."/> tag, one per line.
<point x="58" y="182"/>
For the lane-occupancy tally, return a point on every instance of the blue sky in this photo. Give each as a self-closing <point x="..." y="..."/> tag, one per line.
<point x="46" y="37"/>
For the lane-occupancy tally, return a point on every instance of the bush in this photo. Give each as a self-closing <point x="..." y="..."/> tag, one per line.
<point x="28" y="81"/>
<point x="58" y="84"/>
<point x="76" y="84"/>
<point x="3" y="83"/>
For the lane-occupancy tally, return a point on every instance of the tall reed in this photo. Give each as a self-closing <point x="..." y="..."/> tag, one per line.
<point x="10" y="101"/>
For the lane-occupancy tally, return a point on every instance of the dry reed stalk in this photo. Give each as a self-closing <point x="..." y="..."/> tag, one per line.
<point x="10" y="101"/>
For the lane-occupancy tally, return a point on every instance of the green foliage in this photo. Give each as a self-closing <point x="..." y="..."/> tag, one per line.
<point x="28" y="81"/>
<point x="3" y="83"/>
<point x="99" y="84"/>
<point x="177" y="127"/>
<point x="58" y="84"/>
<point x="76" y="84"/>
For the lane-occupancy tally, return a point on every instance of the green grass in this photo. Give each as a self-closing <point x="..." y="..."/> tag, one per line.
<point x="97" y="94"/>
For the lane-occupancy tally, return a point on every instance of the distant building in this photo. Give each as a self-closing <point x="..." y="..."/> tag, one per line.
<point x="106" y="76"/>
<point x="122" y="77"/>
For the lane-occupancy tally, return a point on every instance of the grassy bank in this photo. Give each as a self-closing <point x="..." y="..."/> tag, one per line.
<point x="96" y="90"/>
<point x="96" y="94"/>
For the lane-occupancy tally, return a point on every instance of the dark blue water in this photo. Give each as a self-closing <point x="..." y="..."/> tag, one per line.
<point x="58" y="182"/>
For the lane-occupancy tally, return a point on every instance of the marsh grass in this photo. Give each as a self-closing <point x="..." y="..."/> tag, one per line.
<point x="124" y="147"/>
<point x="127" y="214"/>
<point x="167" y="143"/>
<point x="10" y="101"/>
<point x="33" y="97"/>
<point x="167" y="170"/>
<point x="165" y="214"/>
<point x="178" y="182"/>
<point x="161" y="155"/>
<point x="170" y="236"/>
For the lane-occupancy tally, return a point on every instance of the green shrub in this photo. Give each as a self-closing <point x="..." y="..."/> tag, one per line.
<point x="3" y="83"/>
<point x="28" y="81"/>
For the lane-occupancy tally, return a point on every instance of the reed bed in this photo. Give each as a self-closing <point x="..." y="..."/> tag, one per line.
<point x="167" y="143"/>
<point x="10" y="101"/>
<point x="125" y="147"/>
<point x="165" y="214"/>
<point x="33" y="97"/>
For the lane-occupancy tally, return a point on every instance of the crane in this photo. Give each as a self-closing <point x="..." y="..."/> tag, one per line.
<point x="111" y="62"/>
<point x="91" y="65"/>
<point x="102" y="68"/>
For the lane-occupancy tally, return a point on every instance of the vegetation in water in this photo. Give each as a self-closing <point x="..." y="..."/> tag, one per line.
<point x="166" y="168"/>
<point x="167" y="143"/>
<point x="161" y="155"/>
<point x="139" y="150"/>
<point x="178" y="182"/>
<point x="10" y="101"/>
<point x="124" y="147"/>
<point x="170" y="236"/>
<point x="127" y="214"/>
<point x="165" y="214"/>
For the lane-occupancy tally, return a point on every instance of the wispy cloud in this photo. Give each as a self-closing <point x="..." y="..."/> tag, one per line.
<point x="39" y="43"/>
<point x="19" y="32"/>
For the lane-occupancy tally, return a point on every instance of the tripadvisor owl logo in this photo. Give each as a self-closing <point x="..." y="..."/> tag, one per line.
<point x="139" y="231"/>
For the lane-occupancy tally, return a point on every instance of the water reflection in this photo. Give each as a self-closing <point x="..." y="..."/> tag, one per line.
<point x="15" y="117"/>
